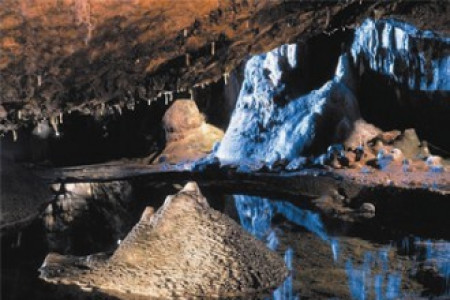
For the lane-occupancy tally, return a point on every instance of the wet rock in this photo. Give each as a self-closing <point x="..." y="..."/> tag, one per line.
<point x="177" y="252"/>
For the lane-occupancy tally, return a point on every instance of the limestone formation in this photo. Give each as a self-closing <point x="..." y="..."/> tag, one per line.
<point x="188" y="136"/>
<point x="185" y="249"/>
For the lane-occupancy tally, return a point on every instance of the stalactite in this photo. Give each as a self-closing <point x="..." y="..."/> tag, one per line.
<point x="61" y="120"/>
<point x="15" y="136"/>
<point x="39" y="80"/>
<point x="188" y="60"/>
<point x="226" y="75"/>
<point x="185" y="32"/>
<point x="102" y="109"/>
<point x="119" y="109"/>
<point x="54" y="123"/>
<point x="191" y="92"/>
<point x="19" y="114"/>
<point x="213" y="48"/>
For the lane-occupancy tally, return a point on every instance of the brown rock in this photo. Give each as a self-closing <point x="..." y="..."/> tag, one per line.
<point x="181" y="117"/>
<point x="389" y="137"/>
<point x="409" y="143"/>
<point x="188" y="136"/>
<point x="362" y="133"/>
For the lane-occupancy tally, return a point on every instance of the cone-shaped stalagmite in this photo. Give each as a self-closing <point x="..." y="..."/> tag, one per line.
<point x="185" y="249"/>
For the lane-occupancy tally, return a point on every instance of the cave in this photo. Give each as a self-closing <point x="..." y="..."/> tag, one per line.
<point x="224" y="149"/>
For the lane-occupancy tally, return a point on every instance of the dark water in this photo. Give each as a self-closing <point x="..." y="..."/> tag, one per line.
<point x="322" y="265"/>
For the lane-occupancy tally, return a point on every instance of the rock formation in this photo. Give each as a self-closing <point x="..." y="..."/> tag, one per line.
<point x="418" y="59"/>
<point x="188" y="136"/>
<point x="274" y="121"/>
<point x="185" y="249"/>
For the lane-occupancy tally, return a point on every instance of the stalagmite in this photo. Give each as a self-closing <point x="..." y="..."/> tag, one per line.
<point x="188" y="59"/>
<point x="185" y="249"/>
<point x="19" y="115"/>
<point x="61" y="120"/>
<point x="39" y="80"/>
<point x="213" y="48"/>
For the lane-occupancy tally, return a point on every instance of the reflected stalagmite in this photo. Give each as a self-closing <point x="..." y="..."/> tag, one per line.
<point x="185" y="249"/>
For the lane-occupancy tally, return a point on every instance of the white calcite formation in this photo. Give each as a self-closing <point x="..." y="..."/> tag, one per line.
<point x="417" y="59"/>
<point x="271" y="123"/>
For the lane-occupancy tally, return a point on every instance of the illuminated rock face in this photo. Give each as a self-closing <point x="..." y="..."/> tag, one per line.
<point x="185" y="249"/>
<point x="414" y="58"/>
<point x="273" y="121"/>
<point x="188" y="136"/>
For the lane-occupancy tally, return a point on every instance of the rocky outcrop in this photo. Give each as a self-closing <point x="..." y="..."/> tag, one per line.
<point x="188" y="136"/>
<point x="185" y="249"/>
<point x="274" y="121"/>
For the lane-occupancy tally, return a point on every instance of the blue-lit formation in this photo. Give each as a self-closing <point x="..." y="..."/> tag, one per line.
<point x="385" y="284"/>
<point x="256" y="213"/>
<point x="269" y="123"/>
<point x="394" y="49"/>
<point x="374" y="277"/>
<point x="265" y="129"/>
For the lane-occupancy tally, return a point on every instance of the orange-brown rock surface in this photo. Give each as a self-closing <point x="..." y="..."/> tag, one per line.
<point x="63" y="56"/>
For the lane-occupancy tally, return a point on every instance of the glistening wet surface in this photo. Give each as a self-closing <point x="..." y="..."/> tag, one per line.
<point x="324" y="262"/>
<point x="342" y="267"/>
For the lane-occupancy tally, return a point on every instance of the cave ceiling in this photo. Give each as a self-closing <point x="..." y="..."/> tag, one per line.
<point x="99" y="57"/>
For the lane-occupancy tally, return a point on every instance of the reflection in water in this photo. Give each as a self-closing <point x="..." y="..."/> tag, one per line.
<point x="438" y="255"/>
<point x="286" y="290"/>
<point x="429" y="255"/>
<point x="376" y="276"/>
<point x="256" y="213"/>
